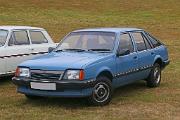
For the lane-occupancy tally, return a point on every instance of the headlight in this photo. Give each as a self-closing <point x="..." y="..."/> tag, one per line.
<point x="74" y="75"/>
<point x="23" y="72"/>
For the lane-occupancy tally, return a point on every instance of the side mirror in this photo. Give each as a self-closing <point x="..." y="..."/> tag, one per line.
<point x="50" y="49"/>
<point x="123" y="52"/>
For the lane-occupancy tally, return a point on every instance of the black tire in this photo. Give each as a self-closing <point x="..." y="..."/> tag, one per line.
<point x="102" y="92"/>
<point x="154" y="78"/>
<point x="33" y="97"/>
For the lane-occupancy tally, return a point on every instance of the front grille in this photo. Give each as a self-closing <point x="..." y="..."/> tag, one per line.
<point x="46" y="75"/>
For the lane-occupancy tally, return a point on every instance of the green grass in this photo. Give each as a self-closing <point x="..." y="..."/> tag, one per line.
<point x="135" y="101"/>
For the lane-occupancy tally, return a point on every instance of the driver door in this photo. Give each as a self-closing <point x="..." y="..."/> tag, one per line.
<point x="127" y="64"/>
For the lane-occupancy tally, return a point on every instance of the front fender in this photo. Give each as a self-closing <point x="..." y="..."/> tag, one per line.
<point x="103" y="69"/>
<point x="92" y="71"/>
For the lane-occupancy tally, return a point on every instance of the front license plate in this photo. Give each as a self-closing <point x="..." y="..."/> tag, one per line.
<point x="43" y="86"/>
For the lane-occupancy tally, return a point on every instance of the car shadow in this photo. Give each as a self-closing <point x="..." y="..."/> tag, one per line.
<point x="130" y="89"/>
<point x="73" y="103"/>
<point x="67" y="103"/>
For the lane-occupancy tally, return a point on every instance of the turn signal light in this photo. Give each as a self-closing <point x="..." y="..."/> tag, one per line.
<point x="81" y="75"/>
<point x="17" y="72"/>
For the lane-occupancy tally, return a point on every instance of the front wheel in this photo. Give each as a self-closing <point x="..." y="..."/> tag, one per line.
<point x="154" y="78"/>
<point x="102" y="92"/>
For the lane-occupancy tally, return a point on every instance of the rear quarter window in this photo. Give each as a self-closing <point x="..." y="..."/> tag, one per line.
<point x="37" y="37"/>
<point x="153" y="40"/>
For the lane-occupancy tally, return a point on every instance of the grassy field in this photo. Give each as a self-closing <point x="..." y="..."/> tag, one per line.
<point x="136" y="101"/>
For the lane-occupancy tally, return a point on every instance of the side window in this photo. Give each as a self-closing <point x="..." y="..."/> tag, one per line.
<point x="154" y="42"/>
<point x="148" y="46"/>
<point x="20" y="38"/>
<point x="126" y="42"/>
<point x="37" y="37"/>
<point x="139" y="41"/>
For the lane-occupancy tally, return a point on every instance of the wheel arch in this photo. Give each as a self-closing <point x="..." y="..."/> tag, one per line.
<point x="106" y="73"/>
<point x="159" y="61"/>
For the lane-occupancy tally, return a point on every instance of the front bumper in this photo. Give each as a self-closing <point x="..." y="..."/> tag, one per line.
<point x="64" y="88"/>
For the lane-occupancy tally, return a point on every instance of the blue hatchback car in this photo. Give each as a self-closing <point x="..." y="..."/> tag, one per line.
<point x="92" y="63"/>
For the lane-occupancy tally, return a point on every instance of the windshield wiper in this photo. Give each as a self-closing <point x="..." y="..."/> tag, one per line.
<point x="101" y="50"/>
<point x="82" y="50"/>
<point x="73" y="49"/>
<point x="58" y="50"/>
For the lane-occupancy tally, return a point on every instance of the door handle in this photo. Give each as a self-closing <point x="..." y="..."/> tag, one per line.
<point x="135" y="57"/>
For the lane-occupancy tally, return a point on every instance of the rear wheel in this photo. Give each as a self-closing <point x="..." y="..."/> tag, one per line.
<point x="102" y="92"/>
<point x="154" y="78"/>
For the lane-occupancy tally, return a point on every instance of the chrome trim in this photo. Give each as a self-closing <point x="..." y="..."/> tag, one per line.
<point x="133" y="71"/>
<point x="47" y="71"/>
<point x="60" y="73"/>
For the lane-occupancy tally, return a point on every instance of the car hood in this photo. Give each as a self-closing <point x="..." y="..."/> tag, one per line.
<point x="64" y="60"/>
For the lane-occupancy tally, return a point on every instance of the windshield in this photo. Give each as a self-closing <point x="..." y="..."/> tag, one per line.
<point x="90" y="41"/>
<point x="3" y="36"/>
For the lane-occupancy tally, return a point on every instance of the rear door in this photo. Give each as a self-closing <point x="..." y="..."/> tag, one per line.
<point x="18" y="49"/>
<point x="39" y="42"/>
<point x="145" y="54"/>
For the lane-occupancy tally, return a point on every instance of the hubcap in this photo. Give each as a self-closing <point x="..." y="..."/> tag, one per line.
<point x="157" y="75"/>
<point x="101" y="92"/>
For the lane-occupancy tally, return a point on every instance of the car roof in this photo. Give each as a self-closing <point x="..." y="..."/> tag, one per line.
<point x="19" y="27"/>
<point x="108" y="29"/>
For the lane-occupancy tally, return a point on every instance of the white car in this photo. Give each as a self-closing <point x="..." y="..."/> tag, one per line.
<point x="20" y="43"/>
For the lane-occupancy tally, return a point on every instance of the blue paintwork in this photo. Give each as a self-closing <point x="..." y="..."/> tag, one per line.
<point x="94" y="63"/>
<point x="66" y="93"/>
